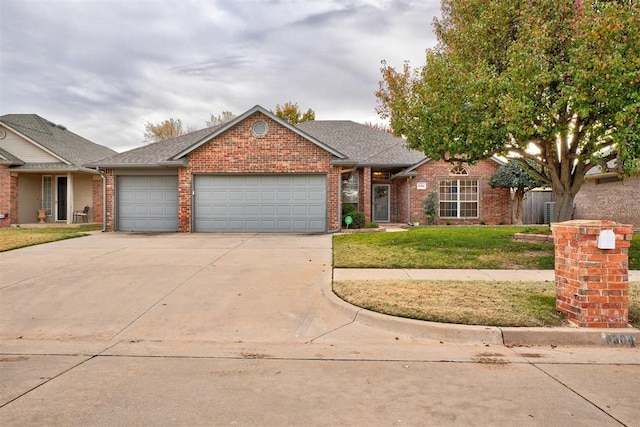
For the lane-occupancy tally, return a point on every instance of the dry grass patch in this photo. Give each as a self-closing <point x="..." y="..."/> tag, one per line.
<point x="469" y="303"/>
<point x="14" y="238"/>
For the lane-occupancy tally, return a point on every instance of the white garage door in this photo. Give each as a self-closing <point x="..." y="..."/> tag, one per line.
<point x="147" y="203"/>
<point x="260" y="203"/>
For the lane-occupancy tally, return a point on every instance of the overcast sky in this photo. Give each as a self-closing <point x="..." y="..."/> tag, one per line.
<point x="103" y="68"/>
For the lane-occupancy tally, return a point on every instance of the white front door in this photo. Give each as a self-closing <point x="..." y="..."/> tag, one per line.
<point x="381" y="203"/>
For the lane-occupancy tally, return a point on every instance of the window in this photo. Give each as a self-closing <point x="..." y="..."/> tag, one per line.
<point x="381" y="176"/>
<point x="46" y="194"/>
<point x="350" y="190"/>
<point x="458" y="198"/>
<point x="259" y="129"/>
<point x="608" y="180"/>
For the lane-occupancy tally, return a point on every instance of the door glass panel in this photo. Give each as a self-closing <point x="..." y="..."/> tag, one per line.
<point x="46" y="194"/>
<point x="381" y="202"/>
<point x="62" y="198"/>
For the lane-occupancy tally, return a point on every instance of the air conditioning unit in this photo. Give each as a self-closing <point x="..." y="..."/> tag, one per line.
<point x="548" y="212"/>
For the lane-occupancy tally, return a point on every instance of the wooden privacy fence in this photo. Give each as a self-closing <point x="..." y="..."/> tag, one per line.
<point x="533" y="206"/>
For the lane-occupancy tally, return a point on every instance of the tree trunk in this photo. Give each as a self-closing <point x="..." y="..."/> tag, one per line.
<point x="517" y="208"/>
<point x="563" y="207"/>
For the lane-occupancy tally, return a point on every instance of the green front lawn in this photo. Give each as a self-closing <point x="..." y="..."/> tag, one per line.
<point x="443" y="247"/>
<point x="490" y="247"/>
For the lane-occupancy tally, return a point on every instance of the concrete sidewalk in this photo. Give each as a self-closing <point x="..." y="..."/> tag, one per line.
<point x="451" y="274"/>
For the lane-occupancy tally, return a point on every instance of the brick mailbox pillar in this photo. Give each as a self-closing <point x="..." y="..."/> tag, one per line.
<point x="592" y="272"/>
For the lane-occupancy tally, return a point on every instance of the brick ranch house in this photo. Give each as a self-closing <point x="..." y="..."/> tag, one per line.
<point x="609" y="196"/>
<point x="41" y="169"/>
<point x="259" y="173"/>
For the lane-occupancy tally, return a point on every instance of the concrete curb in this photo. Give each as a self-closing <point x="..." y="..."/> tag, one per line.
<point x="444" y="332"/>
<point x="627" y="337"/>
<point x="472" y="334"/>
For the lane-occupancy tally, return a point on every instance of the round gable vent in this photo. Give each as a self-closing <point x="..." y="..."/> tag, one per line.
<point x="259" y="128"/>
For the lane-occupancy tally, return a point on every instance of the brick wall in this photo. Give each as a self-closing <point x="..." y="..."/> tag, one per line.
<point x="495" y="204"/>
<point x="615" y="201"/>
<point x="238" y="151"/>
<point x="97" y="210"/>
<point x="110" y="187"/>
<point x="592" y="287"/>
<point x="365" y="198"/>
<point x="5" y="196"/>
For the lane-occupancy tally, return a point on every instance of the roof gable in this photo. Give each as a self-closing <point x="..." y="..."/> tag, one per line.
<point x="64" y="145"/>
<point x="173" y="152"/>
<point x="257" y="109"/>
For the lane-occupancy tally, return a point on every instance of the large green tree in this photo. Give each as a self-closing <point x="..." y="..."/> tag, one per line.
<point x="555" y="82"/>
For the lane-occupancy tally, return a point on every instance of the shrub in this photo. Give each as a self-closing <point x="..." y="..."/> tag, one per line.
<point x="430" y="207"/>
<point x="349" y="209"/>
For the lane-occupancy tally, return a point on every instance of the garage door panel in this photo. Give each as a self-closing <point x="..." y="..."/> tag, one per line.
<point x="316" y="210"/>
<point x="218" y="196"/>
<point x="236" y="196"/>
<point x="147" y="203"/>
<point x="252" y="210"/>
<point x="299" y="195"/>
<point x="268" y="196"/>
<point x="284" y="210"/>
<point x="269" y="203"/>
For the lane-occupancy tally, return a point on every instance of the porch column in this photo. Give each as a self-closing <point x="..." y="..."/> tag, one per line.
<point x="70" y="200"/>
<point x="366" y="194"/>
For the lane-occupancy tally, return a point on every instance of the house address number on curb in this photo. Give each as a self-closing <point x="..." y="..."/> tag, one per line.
<point x="617" y="339"/>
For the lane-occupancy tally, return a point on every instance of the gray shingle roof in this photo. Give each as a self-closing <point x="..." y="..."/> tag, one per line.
<point x="154" y="153"/>
<point x="361" y="143"/>
<point x="57" y="139"/>
<point x="8" y="158"/>
<point x="57" y="166"/>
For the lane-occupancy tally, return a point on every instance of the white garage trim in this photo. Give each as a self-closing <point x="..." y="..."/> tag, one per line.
<point x="147" y="203"/>
<point x="284" y="203"/>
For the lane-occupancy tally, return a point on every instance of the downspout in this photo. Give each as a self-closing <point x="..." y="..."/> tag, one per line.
<point x="104" y="200"/>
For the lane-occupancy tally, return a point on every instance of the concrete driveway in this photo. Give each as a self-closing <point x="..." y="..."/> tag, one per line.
<point x="187" y="329"/>
<point x="190" y="287"/>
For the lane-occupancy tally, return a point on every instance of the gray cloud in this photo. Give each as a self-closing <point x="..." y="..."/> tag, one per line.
<point x="106" y="67"/>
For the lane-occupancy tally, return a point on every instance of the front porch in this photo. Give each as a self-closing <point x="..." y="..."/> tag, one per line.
<point x="57" y="195"/>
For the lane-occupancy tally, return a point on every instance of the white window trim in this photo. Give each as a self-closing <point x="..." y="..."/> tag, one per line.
<point x="44" y="201"/>
<point x="458" y="201"/>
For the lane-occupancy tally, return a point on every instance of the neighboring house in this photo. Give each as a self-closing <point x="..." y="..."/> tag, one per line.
<point x="41" y="168"/>
<point x="259" y="173"/>
<point x="609" y="196"/>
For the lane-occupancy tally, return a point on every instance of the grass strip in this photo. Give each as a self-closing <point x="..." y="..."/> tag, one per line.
<point x="15" y="238"/>
<point x="469" y="303"/>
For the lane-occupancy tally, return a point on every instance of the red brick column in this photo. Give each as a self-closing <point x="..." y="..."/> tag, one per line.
<point x="366" y="194"/>
<point x="592" y="284"/>
<point x="5" y="197"/>
<point x="110" y="188"/>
